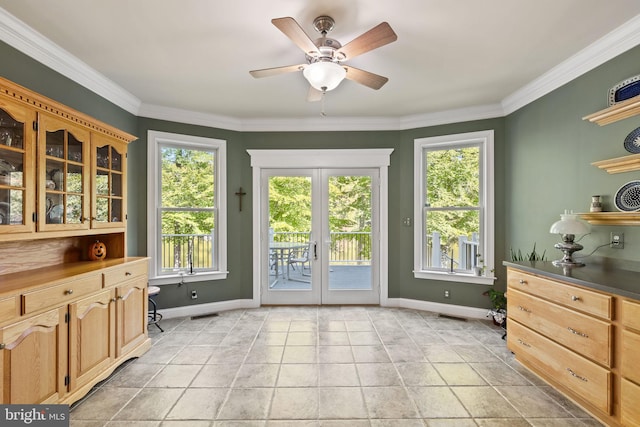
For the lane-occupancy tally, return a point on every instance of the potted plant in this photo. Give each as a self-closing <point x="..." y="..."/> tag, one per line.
<point x="498" y="309"/>
<point x="480" y="268"/>
<point x="533" y="256"/>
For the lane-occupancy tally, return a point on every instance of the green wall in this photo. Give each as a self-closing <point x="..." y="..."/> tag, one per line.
<point x="548" y="160"/>
<point x="542" y="164"/>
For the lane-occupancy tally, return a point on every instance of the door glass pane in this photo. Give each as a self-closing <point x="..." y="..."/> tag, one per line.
<point x="350" y="233"/>
<point x="11" y="131"/>
<point x="289" y="231"/>
<point x="55" y="144"/>
<point x="74" y="178"/>
<point x="55" y="208"/>
<point x="74" y="148"/>
<point x="116" y="160"/>
<point x="102" y="157"/>
<point x="116" y="185"/>
<point x="11" y="207"/>
<point x="55" y="175"/>
<point x="116" y="210"/>
<point x="102" y="209"/>
<point x="12" y="158"/>
<point x="74" y="209"/>
<point x="102" y="182"/>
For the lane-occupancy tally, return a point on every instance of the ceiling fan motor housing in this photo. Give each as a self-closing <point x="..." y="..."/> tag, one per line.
<point x="327" y="48"/>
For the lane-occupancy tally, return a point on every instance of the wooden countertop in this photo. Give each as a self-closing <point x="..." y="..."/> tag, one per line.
<point x="10" y="283"/>
<point x="599" y="275"/>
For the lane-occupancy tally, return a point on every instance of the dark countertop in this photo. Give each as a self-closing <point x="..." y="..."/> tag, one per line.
<point x="601" y="275"/>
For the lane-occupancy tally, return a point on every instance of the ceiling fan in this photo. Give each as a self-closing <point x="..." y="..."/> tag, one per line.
<point x="324" y="69"/>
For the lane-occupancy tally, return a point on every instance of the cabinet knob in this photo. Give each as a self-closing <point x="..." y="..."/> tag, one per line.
<point x="575" y="298"/>
<point x="522" y="281"/>
<point x="127" y="273"/>
<point x="113" y="300"/>
<point x="68" y="292"/>
<point x="525" y="309"/>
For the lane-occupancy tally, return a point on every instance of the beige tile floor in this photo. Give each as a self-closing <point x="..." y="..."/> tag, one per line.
<point x="325" y="366"/>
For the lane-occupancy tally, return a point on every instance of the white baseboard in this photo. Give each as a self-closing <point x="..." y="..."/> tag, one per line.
<point x="436" y="307"/>
<point x="207" y="308"/>
<point x="447" y="309"/>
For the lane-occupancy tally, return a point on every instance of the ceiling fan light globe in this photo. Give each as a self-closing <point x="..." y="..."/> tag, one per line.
<point x="324" y="76"/>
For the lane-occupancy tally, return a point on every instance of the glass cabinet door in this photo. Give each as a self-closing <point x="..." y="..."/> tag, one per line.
<point x="108" y="183"/>
<point x="63" y="175"/>
<point x="17" y="190"/>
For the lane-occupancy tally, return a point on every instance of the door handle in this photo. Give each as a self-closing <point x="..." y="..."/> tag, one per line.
<point x="315" y="250"/>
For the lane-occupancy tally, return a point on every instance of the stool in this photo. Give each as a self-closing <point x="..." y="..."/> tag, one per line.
<point x="154" y="316"/>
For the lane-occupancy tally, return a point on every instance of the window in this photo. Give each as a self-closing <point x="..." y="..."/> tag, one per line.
<point x="186" y="207"/>
<point x="454" y="213"/>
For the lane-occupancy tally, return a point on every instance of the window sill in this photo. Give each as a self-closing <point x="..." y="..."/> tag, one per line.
<point x="454" y="277"/>
<point x="172" y="279"/>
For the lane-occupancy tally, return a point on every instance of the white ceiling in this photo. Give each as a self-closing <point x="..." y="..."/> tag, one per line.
<point x="190" y="59"/>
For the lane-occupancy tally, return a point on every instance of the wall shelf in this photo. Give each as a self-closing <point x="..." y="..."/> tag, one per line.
<point x="627" y="163"/>
<point x="619" y="111"/>
<point x="611" y="218"/>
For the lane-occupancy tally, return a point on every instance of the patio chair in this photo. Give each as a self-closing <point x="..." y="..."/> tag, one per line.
<point x="299" y="257"/>
<point x="273" y="263"/>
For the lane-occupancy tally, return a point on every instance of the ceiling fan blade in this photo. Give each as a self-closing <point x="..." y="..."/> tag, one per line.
<point x="314" y="95"/>
<point x="268" y="72"/>
<point x="376" y="37"/>
<point x="292" y="29"/>
<point x="374" y="81"/>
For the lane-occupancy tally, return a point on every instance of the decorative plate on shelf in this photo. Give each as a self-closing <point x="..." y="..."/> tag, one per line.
<point x="624" y="90"/>
<point x="632" y="141"/>
<point x="628" y="197"/>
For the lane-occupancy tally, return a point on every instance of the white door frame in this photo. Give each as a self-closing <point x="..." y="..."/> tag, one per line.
<point x="347" y="158"/>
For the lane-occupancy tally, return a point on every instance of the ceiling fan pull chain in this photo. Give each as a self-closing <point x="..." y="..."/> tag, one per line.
<point x="322" y="113"/>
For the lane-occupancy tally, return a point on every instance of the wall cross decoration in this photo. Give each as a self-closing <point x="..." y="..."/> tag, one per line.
<point x="240" y="193"/>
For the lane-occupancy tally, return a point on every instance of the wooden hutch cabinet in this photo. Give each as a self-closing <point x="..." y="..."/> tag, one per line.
<point x="66" y="321"/>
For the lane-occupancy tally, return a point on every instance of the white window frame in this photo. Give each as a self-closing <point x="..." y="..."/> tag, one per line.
<point x="154" y="173"/>
<point x="487" y="207"/>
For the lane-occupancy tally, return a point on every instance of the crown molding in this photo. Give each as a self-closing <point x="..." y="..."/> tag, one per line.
<point x="467" y="114"/>
<point x="321" y="124"/>
<point x="189" y="117"/>
<point x="616" y="42"/>
<point x="33" y="44"/>
<point x="28" y="41"/>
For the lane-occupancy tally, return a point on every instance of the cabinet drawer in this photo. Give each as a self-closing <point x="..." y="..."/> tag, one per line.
<point x="8" y="309"/>
<point x="630" y="411"/>
<point x="571" y="296"/>
<point x="575" y="373"/>
<point x="630" y="355"/>
<point x="60" y="294"/>
<point x="584" y="334"/>
<point x="119" y="274"/>
<point x="631" y="314"/>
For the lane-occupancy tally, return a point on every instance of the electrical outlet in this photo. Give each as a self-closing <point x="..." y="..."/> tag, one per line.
<point x="194" y="295"/>
<point x="447" y="294"/>
<point x="617" y="240"/>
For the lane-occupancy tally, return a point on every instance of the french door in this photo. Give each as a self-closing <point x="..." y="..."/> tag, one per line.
<point x="320" y="230"/>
